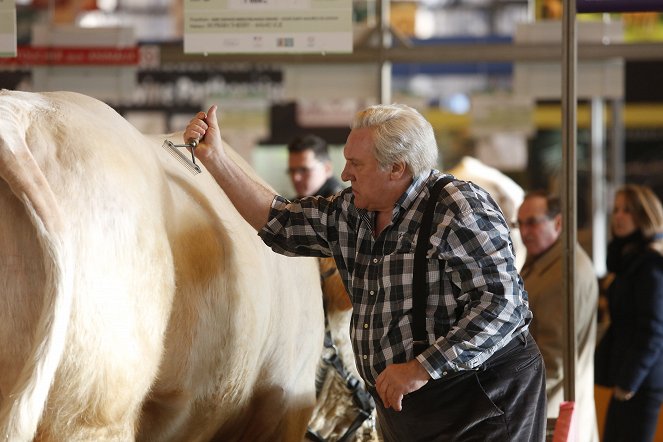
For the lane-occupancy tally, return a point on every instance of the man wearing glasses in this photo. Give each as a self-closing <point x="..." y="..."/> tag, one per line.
<point x="540" y="222"/>
<point x="310" y="167"/>
<point x="311" y="173"/>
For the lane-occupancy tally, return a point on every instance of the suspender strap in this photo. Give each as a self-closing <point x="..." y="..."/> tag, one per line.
<point x="420" y="281"/>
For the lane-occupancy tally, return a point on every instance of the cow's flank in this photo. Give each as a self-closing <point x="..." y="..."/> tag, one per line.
<point x="135" y="302"/>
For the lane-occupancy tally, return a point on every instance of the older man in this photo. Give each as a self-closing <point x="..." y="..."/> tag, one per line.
<point x="476" y="374"/>
<point x="540" y="223"/>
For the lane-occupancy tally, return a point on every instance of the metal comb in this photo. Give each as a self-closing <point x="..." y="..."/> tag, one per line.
<point x="190" y="164"/>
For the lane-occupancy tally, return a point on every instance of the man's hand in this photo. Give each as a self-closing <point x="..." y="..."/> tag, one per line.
<point x="204" y="129"/>
<point x="397" y="380"/>
<point x="622" y="395"/>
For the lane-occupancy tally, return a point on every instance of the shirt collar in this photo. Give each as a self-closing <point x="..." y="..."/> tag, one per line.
<point x="419" y="183"/>
<point x="408" y="197"/>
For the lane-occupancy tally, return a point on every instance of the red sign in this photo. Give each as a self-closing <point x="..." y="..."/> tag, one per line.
<point x="99" y="56"/>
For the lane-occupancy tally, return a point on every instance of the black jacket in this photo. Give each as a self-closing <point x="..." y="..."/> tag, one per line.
<point x="630" y="355"/>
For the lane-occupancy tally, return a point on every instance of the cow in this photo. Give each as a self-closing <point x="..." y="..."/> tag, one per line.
<point x="135" y="302"/>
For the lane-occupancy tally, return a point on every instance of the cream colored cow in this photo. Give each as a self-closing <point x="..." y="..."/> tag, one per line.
<point x="135" y="303"/>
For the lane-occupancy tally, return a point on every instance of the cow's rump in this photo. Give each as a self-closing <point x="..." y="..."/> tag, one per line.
<point x="136" y="302"/>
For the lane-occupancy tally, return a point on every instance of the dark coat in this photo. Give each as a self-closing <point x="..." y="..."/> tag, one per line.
<point x="630" y="355"/>
<point x="331" y="186"/>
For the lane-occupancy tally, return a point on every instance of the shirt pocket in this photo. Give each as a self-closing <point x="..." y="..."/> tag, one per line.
<point x="405" y="243"/>
<point x="397" y="272"/>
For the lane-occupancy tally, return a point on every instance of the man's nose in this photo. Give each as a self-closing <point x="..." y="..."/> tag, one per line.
<point x="345" y="176"/>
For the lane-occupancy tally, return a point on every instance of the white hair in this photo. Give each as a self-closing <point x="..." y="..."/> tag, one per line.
<point x="400" y="133"/>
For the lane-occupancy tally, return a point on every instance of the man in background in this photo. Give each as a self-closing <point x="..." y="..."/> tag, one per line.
<point x="310" y="167"/>
<point x="540" y="222"/>
<point x="311" y="173"/>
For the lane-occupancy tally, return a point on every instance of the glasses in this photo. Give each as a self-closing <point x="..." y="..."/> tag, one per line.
<point x="299" y="170"/>
<point x="531" y="222"/>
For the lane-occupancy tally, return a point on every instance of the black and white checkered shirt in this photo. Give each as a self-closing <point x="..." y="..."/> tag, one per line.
<point x="476" y="303"/>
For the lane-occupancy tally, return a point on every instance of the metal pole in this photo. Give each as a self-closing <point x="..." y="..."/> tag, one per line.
<point x="569" y="186"/>
<point x="384" y="65"/>
<point x="599" y="207"/>
<point x="616" y="162"/>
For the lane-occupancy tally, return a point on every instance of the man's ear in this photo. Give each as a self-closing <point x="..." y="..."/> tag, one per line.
<point x="558" y="222"/>
<point x="329" y="169"/>
<point x="398" y="170"/>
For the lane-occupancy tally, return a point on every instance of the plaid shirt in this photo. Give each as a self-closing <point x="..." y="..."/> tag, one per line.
<point x="476" y="300"/>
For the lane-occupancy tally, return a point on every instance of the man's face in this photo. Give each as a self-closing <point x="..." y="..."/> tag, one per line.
<point x="537" y="230"/>
<point x="370" y="184"/>
<point x="307" y="173"/>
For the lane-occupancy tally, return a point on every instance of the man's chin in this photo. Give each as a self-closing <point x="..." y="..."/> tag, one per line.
<point x="359" y="204"/>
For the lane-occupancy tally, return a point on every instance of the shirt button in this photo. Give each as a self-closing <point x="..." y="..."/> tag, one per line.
<point x="365" y="357"/>
<point x="375" y="260"/>
<point x="365" y="325"/>
<point x="444" y="373"/>
<point x="372" y="292"/>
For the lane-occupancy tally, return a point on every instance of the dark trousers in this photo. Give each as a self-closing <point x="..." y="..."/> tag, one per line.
<point x="504" y="400"/>
<point x="633" y="420"/>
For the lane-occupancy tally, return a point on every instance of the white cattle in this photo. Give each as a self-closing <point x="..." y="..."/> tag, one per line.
<point x="135" y="303"/>
<point x="506" y="193"/>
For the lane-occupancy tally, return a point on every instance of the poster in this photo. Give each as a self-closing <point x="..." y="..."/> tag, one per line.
<point x="267" y="26"/>
<point x="619" y="5"/>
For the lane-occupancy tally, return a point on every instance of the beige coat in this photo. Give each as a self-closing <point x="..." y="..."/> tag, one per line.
<point x="543" y="282"/>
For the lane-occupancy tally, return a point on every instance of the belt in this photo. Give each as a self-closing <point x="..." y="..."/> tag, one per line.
<point x="518" y="340"/>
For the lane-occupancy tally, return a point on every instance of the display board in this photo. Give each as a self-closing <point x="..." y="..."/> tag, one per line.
<point x="101" y="62"/>
<point x="619" y="5"/>
<point x="267" y="26"/>
<point x="7" y="28"/>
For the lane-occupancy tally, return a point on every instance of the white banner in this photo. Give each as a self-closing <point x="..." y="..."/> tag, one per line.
<point x="267" y="26"/>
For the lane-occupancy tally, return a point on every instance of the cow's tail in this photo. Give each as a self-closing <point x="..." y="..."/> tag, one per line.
<point x="23" y="407"/>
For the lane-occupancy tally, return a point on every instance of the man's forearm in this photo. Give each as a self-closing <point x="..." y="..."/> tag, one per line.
<point x="251" y="198"/>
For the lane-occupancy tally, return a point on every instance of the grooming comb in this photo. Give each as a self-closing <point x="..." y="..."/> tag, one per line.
<point x="190" y="164"/>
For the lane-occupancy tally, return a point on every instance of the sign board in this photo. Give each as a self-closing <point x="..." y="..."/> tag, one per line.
<point x="75" y="56"/>
<point x="501" y="113"/>
<point x="267" y="26"/>
<point x="500" y="124"/>
<point x="7" y="28"/>
<point x="619" y="5"/>
<point x="543" y="80"/>
<point x="101" y="62"/>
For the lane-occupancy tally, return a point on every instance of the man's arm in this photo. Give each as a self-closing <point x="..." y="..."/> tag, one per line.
<point x="250" y="198"/>
<point x="479" y="267"/>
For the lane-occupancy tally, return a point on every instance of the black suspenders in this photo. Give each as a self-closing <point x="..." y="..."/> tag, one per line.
<point x="419" y="280"/>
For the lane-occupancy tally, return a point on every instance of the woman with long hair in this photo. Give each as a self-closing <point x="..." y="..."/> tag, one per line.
<point x="629" y="358"/>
